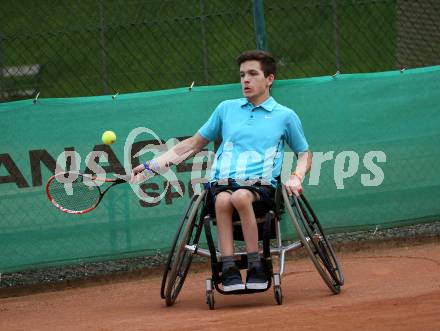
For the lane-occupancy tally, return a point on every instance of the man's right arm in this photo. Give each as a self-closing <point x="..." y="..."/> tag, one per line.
<point x="186" y="148"/>
<point x="182" y="151"/>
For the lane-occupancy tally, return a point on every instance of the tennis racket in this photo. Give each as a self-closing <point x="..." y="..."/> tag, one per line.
<point x="77" y="193"/>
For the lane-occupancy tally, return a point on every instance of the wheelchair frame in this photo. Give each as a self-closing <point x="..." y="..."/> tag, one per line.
<point x="304" y="220"/>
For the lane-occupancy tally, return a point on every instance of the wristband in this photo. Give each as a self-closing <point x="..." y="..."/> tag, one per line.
<point x="151" y="166"/>
<point x="153" y="162"/>
<point x="147" y="167"/>
<point x="301" y="178"/>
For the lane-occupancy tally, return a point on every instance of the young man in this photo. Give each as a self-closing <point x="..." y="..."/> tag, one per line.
<point x="253" y="131"/>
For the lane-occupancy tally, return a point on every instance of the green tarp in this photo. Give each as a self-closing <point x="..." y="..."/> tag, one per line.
<point x="365" y="125"/>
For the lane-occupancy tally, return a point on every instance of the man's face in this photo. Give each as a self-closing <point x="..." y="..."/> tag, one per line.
<point x="254" y="85"/>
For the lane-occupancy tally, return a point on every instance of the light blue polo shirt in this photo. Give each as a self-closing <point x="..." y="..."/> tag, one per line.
<point x="253" y="139"/>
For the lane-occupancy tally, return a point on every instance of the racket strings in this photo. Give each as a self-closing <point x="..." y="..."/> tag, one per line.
<point x="75" y="196"/>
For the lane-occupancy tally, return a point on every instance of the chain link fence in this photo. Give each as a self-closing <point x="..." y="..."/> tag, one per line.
<point x="66" y="48"/>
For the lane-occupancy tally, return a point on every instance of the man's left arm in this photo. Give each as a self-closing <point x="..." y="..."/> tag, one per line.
<point x="303" y="165"/>
<point x="298" y="143"/>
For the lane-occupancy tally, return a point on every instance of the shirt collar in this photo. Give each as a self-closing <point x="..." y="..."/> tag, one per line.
<point x="268" y="105"/>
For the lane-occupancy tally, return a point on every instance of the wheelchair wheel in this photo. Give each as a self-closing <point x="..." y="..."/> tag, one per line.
<point x="322" y="245"/>
<point x="278" y="295"/>
<point x="210" y="293"/>
<point x="177" y="238"/>
<point x="277" y="288"/>
<point x="210" y="300"/>
<point x="317" y="246"/>
<point x="182" y="260"/>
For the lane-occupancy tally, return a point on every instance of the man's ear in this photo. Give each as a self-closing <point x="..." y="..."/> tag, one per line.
<point x="270" y="78"/>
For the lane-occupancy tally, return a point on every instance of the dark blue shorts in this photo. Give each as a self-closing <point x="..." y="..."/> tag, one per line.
<point x="262" y="192"/>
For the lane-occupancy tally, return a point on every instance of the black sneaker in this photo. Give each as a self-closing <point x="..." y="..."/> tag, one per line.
<point x="256" y="279"/>
<point x="231" y="280"/>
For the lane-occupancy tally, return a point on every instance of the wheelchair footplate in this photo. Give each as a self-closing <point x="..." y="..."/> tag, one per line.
<point x="242" y="264"/>
<point x="273" y="281"/>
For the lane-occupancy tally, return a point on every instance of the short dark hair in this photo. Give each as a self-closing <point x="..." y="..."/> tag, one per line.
<point x="267" y="61"/>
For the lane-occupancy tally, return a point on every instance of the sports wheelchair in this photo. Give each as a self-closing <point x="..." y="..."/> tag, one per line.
<point x="199" y="215"/>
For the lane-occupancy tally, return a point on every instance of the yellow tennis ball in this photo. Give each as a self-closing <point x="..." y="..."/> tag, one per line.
<point x="108" y="137"/>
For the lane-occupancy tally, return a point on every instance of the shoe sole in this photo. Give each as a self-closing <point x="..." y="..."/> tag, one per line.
<point x="236" y="287"/>
<point x="256" y="286"/>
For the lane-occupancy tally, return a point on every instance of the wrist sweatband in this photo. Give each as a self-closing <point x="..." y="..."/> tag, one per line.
<point x="147" y="167"/>
<point x="155" y="165"/>
<point x="301" y="178"/>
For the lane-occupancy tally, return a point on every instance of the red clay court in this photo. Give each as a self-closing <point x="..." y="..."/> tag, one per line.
<point x="390" y="287"/>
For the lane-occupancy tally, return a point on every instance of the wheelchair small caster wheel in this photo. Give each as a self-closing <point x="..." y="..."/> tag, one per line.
<point x="278" y="295"/>
<point x="209" y="293"/>
<point x="277" y="288"/>
<point x="210" y="299"/>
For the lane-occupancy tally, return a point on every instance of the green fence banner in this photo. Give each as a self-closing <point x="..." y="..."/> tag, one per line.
<point x="375" y="139"/>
